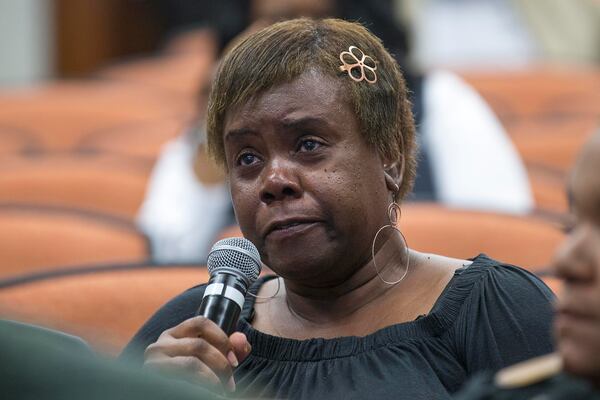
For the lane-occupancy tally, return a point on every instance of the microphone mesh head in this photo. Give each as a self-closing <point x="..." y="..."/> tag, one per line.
<point x="236" y="255"/>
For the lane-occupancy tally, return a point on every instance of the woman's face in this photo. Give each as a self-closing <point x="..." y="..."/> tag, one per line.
<point x="577" y="324"/>
<point x="307" y="189"/>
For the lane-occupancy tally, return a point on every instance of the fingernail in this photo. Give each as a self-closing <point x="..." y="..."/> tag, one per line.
<point x="232" y="359"/>
<point x="231" y="384"/>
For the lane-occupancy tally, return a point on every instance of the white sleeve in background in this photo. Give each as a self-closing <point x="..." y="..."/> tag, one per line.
<point x="180" y="215"/>
<point x="474" y="163"/>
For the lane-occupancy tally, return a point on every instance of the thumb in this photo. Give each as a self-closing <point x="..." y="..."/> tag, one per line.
<point x="241" y="346"/>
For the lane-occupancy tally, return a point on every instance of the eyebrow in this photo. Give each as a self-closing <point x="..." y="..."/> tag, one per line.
<point x="303" y="122"/>
<point x="236" y="134"/>
<point x="286" y="124"/>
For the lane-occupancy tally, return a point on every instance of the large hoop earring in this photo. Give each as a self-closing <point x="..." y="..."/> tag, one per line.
<point x="394" y="214"/>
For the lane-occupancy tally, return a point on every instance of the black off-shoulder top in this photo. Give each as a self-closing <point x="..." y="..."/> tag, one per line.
<point x="489" y="316"/>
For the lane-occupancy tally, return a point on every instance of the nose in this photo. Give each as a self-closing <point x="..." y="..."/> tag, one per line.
<point x="574" y="260"/>
<point x="279" y="181"/>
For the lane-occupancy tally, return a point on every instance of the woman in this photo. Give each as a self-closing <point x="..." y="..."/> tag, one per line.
<point x="577" y="323"/>
<point x="312" y="124"/>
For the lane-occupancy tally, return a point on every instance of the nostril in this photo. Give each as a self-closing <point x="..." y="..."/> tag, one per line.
<point x="288" y="191"/>
<point x="267" y="197"/>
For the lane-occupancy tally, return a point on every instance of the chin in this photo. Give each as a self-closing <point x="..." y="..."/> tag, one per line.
<point x="296" y="253"/>
<point x="299" y="269"/>
<point x="581" y="360"/>
<point x="299" y="264"/>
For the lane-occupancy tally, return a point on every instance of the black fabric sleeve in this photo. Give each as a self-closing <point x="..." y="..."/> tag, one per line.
<point x="506" y="319"/>
<point x="171" y="314"/>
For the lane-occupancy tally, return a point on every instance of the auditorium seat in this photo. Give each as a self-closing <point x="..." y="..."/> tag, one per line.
<point x="548" y="113"/>
<point x="182" y="68"/>
<point x="17" y="141"/>
<point x="552" y="142"/>
<point x="59" y="114"/>
<point x="530" y="93"/>
<point x="104" y="306"/>
<point x="549" y="188"/>
<point x="525" y="241"/>
<point x="36" y="238"/>
<point x="135" y="140"/>
<point x="96" y="182"/>
<point x="176" y="74"/>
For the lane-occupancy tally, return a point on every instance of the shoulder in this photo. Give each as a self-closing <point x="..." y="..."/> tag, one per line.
<point x="486" y="287"/>
<point x="506" y="317"/>
<point x="506" y="294"/>
<point x="177" y="310"/>
<point x="495" y="278"/>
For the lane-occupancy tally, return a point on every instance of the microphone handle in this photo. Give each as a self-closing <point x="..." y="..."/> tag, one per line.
<point x="223" y="300"/>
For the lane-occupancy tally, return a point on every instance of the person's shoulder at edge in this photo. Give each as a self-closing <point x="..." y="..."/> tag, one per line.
<point x="172" y="313"/>
<point x="505" y="318"/>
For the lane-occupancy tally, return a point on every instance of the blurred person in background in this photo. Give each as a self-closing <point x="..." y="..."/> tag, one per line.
<point x="574" y="372"/>
<point x="493" y="34"/>
<point x="187" y="202"/>
<point x="466" y="158"/>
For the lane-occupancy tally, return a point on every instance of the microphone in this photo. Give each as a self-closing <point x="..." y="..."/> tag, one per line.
<point x="234" y="265"/>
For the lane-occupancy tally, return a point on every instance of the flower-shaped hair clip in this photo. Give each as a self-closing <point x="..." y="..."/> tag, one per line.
<point x="359" y="65"/>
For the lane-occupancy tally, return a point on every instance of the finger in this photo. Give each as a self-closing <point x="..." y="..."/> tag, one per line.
<point x="188" y="368"/>
<point x="241" y="346"/>
<point x="203" y="327"/>
<point x="195" y="347"/>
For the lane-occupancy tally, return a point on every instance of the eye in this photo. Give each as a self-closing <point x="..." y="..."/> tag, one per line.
<point x="247" y="158"/>
<point x="568" y="227"/>
<point x="307" y="145"/>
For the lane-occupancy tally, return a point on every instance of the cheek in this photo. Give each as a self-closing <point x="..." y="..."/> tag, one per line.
<point x="358" y="197"/>
<point x="244" y="202"/>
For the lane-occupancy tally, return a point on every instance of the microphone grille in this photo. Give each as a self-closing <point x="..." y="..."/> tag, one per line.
<point x="237" y="255"/>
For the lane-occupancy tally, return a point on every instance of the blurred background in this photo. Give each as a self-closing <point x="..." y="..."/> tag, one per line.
<point x="109" y="205"/>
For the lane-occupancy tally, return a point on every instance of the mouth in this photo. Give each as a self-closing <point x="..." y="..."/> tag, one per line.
<point x="567" y="320"/>
<point x="291" y="227"/>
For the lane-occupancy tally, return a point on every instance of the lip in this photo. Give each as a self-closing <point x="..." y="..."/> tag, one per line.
<point x="289" y="226"/>
<point x="570" y="307"/>
<point x="570" y="318"/>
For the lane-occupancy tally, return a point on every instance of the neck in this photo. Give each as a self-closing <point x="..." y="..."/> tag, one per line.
<point x="342" y="299"/>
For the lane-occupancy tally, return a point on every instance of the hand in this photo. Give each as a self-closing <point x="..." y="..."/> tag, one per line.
<point x="199" y="350"/>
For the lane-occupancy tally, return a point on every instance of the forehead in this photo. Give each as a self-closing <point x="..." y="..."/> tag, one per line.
<point x="312" y="94"/>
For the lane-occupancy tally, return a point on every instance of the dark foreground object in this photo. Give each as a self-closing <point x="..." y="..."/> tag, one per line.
<point x="43" y="364"/>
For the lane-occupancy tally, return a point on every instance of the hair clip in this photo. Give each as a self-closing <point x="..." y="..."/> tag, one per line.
<point x="355" y="60"/>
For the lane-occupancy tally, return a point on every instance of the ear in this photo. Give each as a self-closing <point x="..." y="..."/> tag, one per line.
<point x="394" y="172"/>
